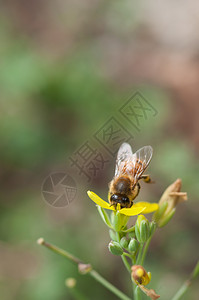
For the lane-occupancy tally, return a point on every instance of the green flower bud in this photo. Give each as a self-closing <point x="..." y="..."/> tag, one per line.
<point x="133" y="245"/>
<point x="131" y="234"/>
<point x="115" y="248"/>
<point x="124" y="242"/>
<point x="153" y="227"/>
<point x="142" y="229"/>
<point x="116" y="220"/>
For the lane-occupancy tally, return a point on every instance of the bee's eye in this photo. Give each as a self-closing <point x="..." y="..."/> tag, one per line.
<point x="114" y="197"/>
<point x="125" y="199"/>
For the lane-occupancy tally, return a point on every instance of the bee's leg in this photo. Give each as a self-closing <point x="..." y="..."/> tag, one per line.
<point x="146" y="179"/>
<point x="135" y="191"/>
<point x="138" y="189"/>
<point x="114" y="204"/>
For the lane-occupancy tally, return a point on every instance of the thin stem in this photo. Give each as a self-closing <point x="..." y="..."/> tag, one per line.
<point x="127" y="254"/>
<point x="145" y="250"/>
<point x="108" y="285"/>
<point x="187" y="283"/>
<point x="132" y="229"/>
<point x="128" y="267"/>
<point x="182" y="290"/>
<point x="59" y="251"/>
<point x="137" y="293"/>
<point x="138" y="261"/>
<point x="87" y="269"/>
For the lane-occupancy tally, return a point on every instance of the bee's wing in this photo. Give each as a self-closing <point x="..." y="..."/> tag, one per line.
<point x="124" y="156"/>
<point x="141" y="160"/>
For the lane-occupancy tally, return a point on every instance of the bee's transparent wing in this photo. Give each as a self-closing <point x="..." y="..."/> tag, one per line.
<point x="124" y="156"/>
<point x="141" y="160"/>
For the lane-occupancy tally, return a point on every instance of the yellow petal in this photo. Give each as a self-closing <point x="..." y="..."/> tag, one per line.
<point x="95" y="198"/>
<point x="132" y="211"/>
<point x="149" y="207"/>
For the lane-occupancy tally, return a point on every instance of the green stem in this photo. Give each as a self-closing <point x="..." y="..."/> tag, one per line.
<point x="187" y="283"/>
<point x="137" y="293"/>
<point x="127" y="254"/>
<point x="145" y="251"/>
<point x="88" y="270"/>
<point x="108" y="285"/>
<point x="132" y="229"/>
<point x="126" y="263"/>
<point x="138" y="261"/>
<point x="182" y="290"/>
<point x="59" y="251"/>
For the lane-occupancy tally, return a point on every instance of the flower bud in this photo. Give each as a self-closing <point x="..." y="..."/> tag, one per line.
<point x="133" y="245"/>
<point x="132" y="234"/>
<point x="124" y="242"/>
<point x="139" y="275"/>
<point x="115" y="248"/>
<point x="116" y="220"/>
<point x="142" y="229"/>
<point x="152" y="227"/>
<point x="168" y="202"/>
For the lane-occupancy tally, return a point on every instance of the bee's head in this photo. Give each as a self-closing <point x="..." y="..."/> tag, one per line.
<point x="121" y="199"/>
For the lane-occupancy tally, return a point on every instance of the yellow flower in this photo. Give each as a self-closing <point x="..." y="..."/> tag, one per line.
<point x="137" y="208"/>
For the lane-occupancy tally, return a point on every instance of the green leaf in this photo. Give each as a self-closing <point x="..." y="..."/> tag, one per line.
<point x="104" y="216"/>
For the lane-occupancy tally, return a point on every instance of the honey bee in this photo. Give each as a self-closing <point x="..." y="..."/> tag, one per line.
<point x="124" y="187"/>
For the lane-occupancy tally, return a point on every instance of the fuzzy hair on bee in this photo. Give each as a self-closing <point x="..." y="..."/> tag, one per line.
<point x="125" y="187"/>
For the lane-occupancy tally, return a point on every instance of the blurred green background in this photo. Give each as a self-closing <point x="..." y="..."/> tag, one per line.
<point x="65" y="68"/>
